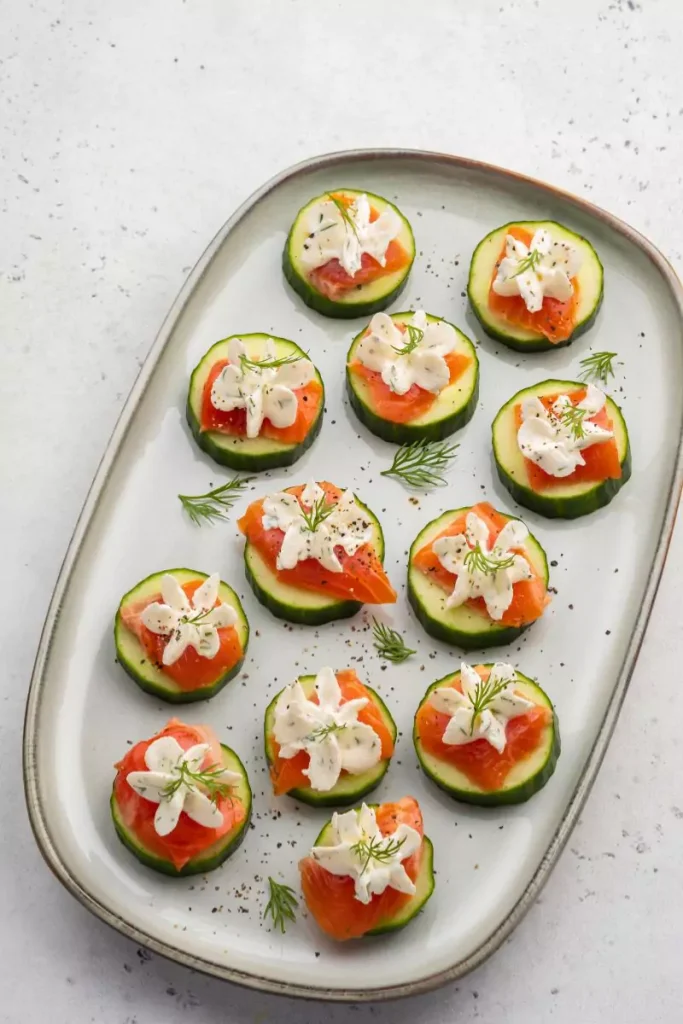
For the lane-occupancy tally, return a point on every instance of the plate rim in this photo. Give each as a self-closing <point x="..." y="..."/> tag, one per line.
<point x="31" y="737"/>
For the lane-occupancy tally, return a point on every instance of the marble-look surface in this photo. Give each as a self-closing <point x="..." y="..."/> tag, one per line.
<point x="128" y="133"/>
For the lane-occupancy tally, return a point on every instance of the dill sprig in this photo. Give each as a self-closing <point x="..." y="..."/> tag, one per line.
<point x="572" y="417"/>
<point x="484" y="694"/>
<point x="389" y="643"/>
<point x="421" y="463"/>
<point x="212" y="506"/>
<point x="598" y="366"/>
<point x="378" y="849"/>
<point x="269" y="364"/>
<point x="317" y="513"/>
<point x="477" y="561"/>
<point x="530" y="262"/>
<point x="344" y="211"/>
<point x="207" y="778"/>
<point x="415" y="336"/>
<point x="281" y="905"/>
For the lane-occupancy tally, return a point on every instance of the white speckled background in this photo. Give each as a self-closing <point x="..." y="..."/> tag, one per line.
<point x="128" y="133"/>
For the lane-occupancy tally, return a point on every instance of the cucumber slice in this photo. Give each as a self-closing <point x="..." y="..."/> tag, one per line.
<point x="294" y="604"/>
<point x="562" y="501"/>
<point x="484" y="259"/>
<point x="465" y="627"/>
<point x="208" y="859"/>
<point x="350" y="788"/>
<point x="424" y="886"/>
<point x="453" y="408"/>
<point x="525" y="778"/>
<point x="250" y="454"/>
<point x="364" y="299"/>
<point x="134" y="659"/>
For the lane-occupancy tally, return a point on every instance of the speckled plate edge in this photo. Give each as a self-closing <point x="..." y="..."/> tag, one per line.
<point x="594" y="760"/>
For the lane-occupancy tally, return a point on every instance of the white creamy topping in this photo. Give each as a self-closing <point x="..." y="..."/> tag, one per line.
<point x="188" y="623"/>
<point x="333" y="235"/>
<point x="546" y="267"/>
<point x="482" y="571"/>
<point x="328" y="731"/>
<point x="415" y="356"/>
<point x="483" y="709"/>
<point x="265" y="392"/>
<point x="342" y="525"/>
<point x="361" y="852"/>
<point x="174" y="782"/>
<point x="555" y="438"/>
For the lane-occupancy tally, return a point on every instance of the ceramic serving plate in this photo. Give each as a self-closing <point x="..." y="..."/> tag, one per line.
<point x="83" y="711"/>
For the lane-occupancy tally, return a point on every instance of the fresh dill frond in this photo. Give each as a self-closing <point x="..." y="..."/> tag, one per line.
<point x="214" y="505"/>
<point x="598" y="366"/>
<point x="422" y="463"/>
<point x="390" y="644"/>
<point x="281" y="905"/>
<point x="477" y="561"/>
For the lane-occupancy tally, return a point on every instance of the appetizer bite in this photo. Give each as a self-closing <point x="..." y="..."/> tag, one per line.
<point x="487" y="735"/>
<point x="477" y="577"/>
<point x="562" y="448"/>
<point x="329" y="739"/>
<point x="370" y="870"/>
<point x="314" y="553"/>
<point x="181" y="635"/>
<point x="255" y="402"/>
<point x="348" y="253"/>
<point x="411" y="377"/>
<point x="181" y="800"/>
<point x="535" y="285"/>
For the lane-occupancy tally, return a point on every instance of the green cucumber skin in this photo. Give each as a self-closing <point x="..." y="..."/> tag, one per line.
<point x="396" y="926"/>
<point x="455" y="637"/>
<point x="197" y="865"/>
<point x="299" y="616"/>
<point x="330" y="798"/>
<point x="540" y="344"/>
<point x="169" y="696"/>
<point x="405" y="433"/>
<point x="518" y="795"/>
<point x="202" y="693"/>
<point x="328" y="307"/>
<point x="568" y="507"/>
<point x="572" y="507"/>
<point x="233" y="457"/>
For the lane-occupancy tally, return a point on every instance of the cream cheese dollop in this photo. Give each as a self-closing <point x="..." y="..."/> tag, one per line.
<point x="332" y="235"/>
<point x="544" y="267"/>
<point x="264" y="392"/>
<point x="415" y="356"/>
<point x="483" y="571"/>
<point x="552" y="441"/>
<point x="468" y="723"/>
<point x="188" y="622"/>
<point x="328" y="731"/>
<point x="360" y="851"/>
<point x="344" y="526"/>
<point x="171" y="782"/>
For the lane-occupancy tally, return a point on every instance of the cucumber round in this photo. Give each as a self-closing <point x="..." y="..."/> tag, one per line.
<point x="208" y="859"/>
<point x="484" y="260"/>
<point x="250" y="454"/>
<point x="424" y="886"/>
<point x="134" y="659"/>
<point x="349" y="788"/>
<point x="562" y="500"/>
<point x="364" y="299"/>
<point x="465" y="627"/>
<point x="453" y="408"/>
<point x="295" y="604"/>
<point x="525" y="778"/>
